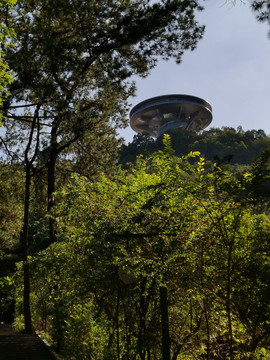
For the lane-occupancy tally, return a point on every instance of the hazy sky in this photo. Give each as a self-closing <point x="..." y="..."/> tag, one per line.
<point x="230" y="69"/>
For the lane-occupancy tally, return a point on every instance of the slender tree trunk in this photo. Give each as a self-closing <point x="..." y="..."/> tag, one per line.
<point x="207" y="329"/>
<point x="51" y="197"/>
<point x="142" y="341"/>
<point x="228" y="305"/>
<point x="117" y="324"/>
<point x="55" y="150"/>
<point x="25" y="246"/>
<point x="164" y="323"/>
<point x="24" y="237"/>
<point x="51" y="183"/>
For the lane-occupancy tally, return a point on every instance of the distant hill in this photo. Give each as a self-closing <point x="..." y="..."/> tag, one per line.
<point x="226" y="144"/>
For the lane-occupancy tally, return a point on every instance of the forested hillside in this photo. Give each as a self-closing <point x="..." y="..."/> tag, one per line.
<point x="234" y="146"/>
<point x="107" y="254"/>
<point x="164" y="256"/>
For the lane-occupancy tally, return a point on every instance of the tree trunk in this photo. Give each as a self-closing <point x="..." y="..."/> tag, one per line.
<point x="51" y="183"/>
<point x="25" y="248"/>
<point x="117" y="324"/>
<point x="164" y="323"/>
<point x="24" y="236"/>
<point x="51" y="198"/>
<point x="207" y="329"/>
<point x="26" y="300"/>
<point x="142" y="341"/>
<point x="228" y="305"/>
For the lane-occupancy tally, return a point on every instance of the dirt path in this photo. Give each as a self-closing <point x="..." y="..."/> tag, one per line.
<point x="22" y="347"/>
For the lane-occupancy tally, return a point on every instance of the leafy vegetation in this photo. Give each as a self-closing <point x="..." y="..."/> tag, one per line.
<point x="229" y="145"/>
<point x="164" y="223"/>
<point x="6" y="35"/>
<point x="164" y="256"/>
<point x="73" y="63"/>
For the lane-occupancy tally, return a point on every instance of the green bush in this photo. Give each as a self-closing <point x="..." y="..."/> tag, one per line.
<point x="84" y="337"/>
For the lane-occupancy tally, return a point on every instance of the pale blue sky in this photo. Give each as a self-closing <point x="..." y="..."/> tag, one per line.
<point x="230" y="69"/>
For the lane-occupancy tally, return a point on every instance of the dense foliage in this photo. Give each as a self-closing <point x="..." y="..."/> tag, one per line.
<point x="234" y="146"/>
<point x="73" y="63"/>
<point x="11" y="214"/>
<point x="6" y="35"/>
<point x="167" y="257"/>
<point x="11" y="211"/>
<point x="164" y="223"/>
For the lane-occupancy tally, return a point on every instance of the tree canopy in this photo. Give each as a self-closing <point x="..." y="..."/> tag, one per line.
<point x="262" y="11"/>
<point x="6" y="35"/>
<point x="234" y="146"/>
<point x="73" y="63"/>
<point x="166" y="257"/>
<point x="164" y="223"/>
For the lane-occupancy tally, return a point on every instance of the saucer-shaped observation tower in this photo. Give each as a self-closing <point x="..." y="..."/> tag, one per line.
<point x="159" y="114"/>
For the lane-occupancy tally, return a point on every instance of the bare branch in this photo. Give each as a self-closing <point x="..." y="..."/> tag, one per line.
<point x="27" y="118"/>
<point x="10" y="153"/>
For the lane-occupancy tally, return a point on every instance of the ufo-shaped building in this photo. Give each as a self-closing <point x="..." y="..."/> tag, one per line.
<point x="160" y="114"/>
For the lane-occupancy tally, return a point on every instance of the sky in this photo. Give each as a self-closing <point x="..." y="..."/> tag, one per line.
<point x="230" y="68"/>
